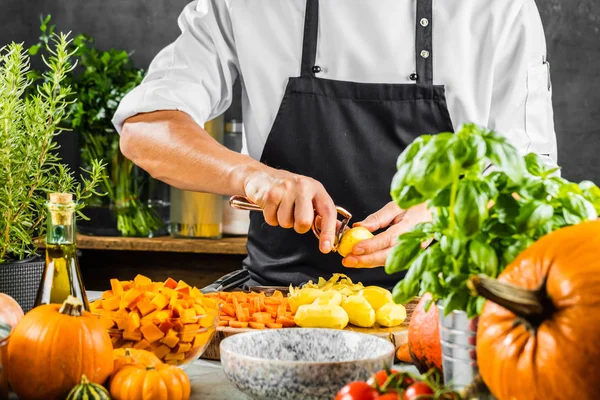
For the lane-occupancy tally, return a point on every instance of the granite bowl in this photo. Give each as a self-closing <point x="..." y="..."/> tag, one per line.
<point x="302" y="363"/>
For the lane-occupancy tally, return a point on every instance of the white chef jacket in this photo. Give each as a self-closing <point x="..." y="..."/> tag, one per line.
<point x="489" y="54"/>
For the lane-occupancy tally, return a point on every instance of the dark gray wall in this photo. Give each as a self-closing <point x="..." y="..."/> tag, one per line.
<point x="145" y="26"/>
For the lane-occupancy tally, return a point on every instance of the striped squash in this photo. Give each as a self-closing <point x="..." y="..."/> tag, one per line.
<point x="87" y="390"/>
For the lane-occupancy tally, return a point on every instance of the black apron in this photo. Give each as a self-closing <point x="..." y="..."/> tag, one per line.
<point x="348" y="136"/>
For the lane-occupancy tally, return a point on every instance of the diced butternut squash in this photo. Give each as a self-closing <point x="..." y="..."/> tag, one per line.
<point x="161" y="351"/>
<point x="107" y="293"/>
<point x="175" y="356"/>
<point x="163" y="315"/>
<point x="170" y="341"/>
<point x="116" y="287"/>
<point x="202" y="339"/>
<point x="135" y="335"/>
<point x="165" y="326"/>
<point x="170" y="283"/>
<point x="141" y="280"/>
<point x="131" y="297"/>
<point x="145" y="307"/>
<point x="188" y="316"/>
<point x="195" y="292"/>
<point x="151" y="333"/>
<point x="182" y="348"/>
<point x="111" y="303"/>
<point x="142" y="344"/>
<point x="126" y="285"/>
<point x="167" y="292"/>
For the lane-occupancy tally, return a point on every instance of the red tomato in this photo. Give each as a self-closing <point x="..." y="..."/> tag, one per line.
<point x="418" y="389"/>
<point x="380" y="377"/>
<point x="389" y="396"/>
<point x="357" y="391"/>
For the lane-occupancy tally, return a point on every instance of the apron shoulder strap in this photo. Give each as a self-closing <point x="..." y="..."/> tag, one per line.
<point x="309" y="43"/>
<point x="424" y="42"/>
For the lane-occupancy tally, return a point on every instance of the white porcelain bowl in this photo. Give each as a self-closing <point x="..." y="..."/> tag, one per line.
<point x="301" y="363"/>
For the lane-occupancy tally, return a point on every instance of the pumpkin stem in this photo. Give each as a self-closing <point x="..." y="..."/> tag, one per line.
<point x="533" y="306"/>
<point x="84" y="380"/>
<point x="72" y="306"/>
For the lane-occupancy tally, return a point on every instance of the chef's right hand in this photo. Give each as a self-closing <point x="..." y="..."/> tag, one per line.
<point x="290" y="201"/>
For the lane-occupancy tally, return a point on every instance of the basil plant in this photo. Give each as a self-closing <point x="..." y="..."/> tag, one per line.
<point x="488" y="204"/>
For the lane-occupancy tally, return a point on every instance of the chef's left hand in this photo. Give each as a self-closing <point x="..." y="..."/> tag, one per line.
<point x="373" y="252"/>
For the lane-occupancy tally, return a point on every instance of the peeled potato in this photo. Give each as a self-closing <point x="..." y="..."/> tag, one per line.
<point x="321" y="316"/>
<point x="350" y="238"/>
<point x="360" y="312"/>
<point x="376" y="296"/>
<point x="303" y="296"/>
<point x="390" y="314"/>
<point x="331" y="297"/>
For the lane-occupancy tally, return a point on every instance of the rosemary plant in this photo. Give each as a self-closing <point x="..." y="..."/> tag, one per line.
<point x="100" y="82"/>
<point x="31" y="116"/>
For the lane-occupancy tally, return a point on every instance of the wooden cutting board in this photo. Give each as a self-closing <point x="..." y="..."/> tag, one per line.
<point x="398" y="335"/>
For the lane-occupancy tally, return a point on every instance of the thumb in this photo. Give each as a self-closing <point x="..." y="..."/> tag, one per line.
<point x="381" y="218"/>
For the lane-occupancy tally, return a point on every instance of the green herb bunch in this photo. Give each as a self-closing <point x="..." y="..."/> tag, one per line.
<point x="31" y="116"/>
<point x="481" y="220"/>
<point x="99" y="83"/>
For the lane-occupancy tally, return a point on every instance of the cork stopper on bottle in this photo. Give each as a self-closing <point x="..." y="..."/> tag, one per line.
<point x="61" y="208"/>
<point x="61" y="198"/>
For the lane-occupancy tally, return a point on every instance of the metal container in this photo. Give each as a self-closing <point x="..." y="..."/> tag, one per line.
<point x="459" y="357"/>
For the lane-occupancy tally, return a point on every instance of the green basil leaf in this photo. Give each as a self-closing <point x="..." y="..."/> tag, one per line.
<point x="412" y="150"/>
<point x="456" y="282"/>
<point x="408" y="197"/>
<point x="484" y="257"/>
<point x="402" y="255"/>
<point x="442" y="199"/>
<point x="499" y="180"/>
<point x="455" y="301"/>
<point x="591" y="193"/>
<point x="517" y="247"/>
<point x="577" y="209"/>
<point x="480" y="303"/>
<point x="469" y="150"/>
<point x="494" y="228"/>
<point x="431" y="259"/>
<point x="452" y="246"/>
<point x="569" y="188"/>
<point x="470" y="209"/>
<point x="430" y="283"/>
<point x="398" y="181"/>
<point x="437" y="166"/>
<point x="507" y="208"/>
<point x="504" y="155"/>
<point x="533" y="215"/>
<point x="535" y="165"/>
<point x="487" y="187"/>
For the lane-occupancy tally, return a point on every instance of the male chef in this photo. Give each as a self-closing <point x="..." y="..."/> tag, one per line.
<point x="333" y="91"/>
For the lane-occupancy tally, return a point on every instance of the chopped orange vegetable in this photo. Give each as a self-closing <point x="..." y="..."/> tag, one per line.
<point x="152" y="333"/>
<point x="274" y="325"/>
<point x="159" y="301"/>
<point x="256" y="325"/>
<point x="238" y="324"/>
<point x="116" y="287"/>
<point x="142" y="344"/>
<point x="135" y="336"/>
<point x="170" y="341"/>
<point x="141" y="280"/>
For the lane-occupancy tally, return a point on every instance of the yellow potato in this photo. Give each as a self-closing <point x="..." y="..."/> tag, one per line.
<point x="321" y="316"/>
<point x="390" y="314"/>
<point x="350" y="238"/>
<point x="303" y="296"/>
<point x="331" y="297"/>
<point x="360" y="312"/>
<point x="376" y="296"/>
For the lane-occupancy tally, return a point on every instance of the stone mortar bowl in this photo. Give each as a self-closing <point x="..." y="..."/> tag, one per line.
<point x="302" y="363"/>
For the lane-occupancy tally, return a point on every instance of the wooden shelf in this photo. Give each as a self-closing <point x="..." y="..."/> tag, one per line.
<point x="228" y="245"/>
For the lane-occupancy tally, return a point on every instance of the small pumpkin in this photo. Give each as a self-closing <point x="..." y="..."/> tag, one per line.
<point x="132" y="356"/>
<point x="10" y="311"/>
<point x="87" y="390"/>
<point x="424" y="343"/>
<point x="538" y="333"/>
<point x="53" y="346"/>
<point x="160" y="382"/>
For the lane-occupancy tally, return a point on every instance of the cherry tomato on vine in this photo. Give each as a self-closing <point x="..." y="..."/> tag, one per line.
<point x="357" y="391"/>
<point x="418" y="389"/>
<point x="380" y="377"/>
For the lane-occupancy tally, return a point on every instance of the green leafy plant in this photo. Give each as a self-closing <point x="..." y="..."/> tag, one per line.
<point x="31" y="116"/>
<point x="100" y="81"/>
<point x="481" y="221"/>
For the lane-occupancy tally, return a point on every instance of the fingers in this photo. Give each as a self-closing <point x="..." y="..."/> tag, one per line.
<point x="303" y="214"/>
<point x="386" y="216"/>
<point x="379" y="242"/>
<point x="373" y="260"/>
<point x="326" y="209"/>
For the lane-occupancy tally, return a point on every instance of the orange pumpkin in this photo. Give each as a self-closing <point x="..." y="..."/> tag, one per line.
<point x="161" y="382"/>
<point x="10" y="311"/>
<point x="53" y="346"/>
<point x="424" y="337"/>
<point x="538" y="336"/>
<point x="123" y="357"/>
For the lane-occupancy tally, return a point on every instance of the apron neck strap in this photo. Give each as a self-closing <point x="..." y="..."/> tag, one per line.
<point x="309" y="44"/>
<point x="423" y="43"/>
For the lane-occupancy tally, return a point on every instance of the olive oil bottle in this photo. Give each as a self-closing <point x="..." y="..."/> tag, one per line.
<point x="61" y="276"/>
